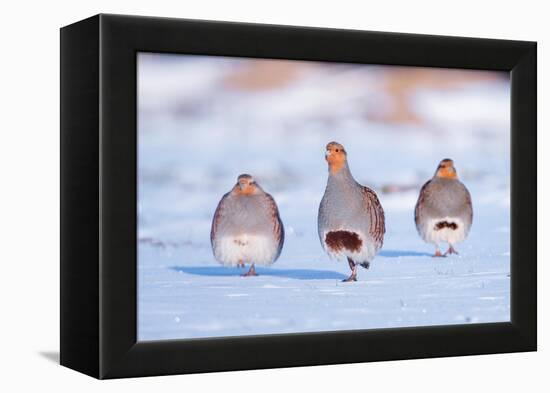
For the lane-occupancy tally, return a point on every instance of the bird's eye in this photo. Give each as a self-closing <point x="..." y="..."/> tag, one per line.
<point x="337" y="150"/>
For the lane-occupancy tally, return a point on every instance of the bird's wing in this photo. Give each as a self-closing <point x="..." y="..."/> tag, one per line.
<point x="376" y="212"/>
<point x="278" y="228"/>
<point x="469" y="204"/>
<point x="419" y="202"/>
<point x="218" y="214"/>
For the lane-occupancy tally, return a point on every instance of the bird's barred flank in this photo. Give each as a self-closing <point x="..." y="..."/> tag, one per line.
<point x="376" y="213"/>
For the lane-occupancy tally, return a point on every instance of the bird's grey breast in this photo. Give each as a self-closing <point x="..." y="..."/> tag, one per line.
<point x="246" y="214"/>
<point x="342" y="206"/>
<point x="447" y="197"/>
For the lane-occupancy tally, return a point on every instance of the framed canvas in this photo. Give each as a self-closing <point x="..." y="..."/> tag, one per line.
<point x="240" y="196"/>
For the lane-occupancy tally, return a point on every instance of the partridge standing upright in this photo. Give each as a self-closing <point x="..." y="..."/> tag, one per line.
<point x="351" y="218"/>
<point x="443" y="212"/>
<point x="247" y="227"/>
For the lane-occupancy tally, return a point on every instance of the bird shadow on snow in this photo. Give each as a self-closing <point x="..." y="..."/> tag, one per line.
<point x="402" y="253"/>
<point x="299" y="274"/>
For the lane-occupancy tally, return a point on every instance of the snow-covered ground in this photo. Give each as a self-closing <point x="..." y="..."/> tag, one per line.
<point x="196" y="135"/>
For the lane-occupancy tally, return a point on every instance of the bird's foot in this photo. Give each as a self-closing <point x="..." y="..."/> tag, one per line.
<point x="353" y="267"/>
<point x="351" y="278"/>
<point x="451" y="251"/>
<point x="251" y="272"/>
<point x="438" y="254"/>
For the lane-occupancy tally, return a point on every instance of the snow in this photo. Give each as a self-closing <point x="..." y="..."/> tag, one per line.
<point x="196" y="136"/>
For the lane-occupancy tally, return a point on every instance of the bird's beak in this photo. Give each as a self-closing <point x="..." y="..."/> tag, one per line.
<point x="327" y="153"/>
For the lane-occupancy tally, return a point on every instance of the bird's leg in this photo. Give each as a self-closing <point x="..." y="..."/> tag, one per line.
<point x="251" y="271"/>
<point x="438" y="252"/>
<point x="451" y="250"/>
<point x="353" y="267"/>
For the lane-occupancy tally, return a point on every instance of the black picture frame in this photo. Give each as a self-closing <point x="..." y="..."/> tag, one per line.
<point x="98" y="196"/>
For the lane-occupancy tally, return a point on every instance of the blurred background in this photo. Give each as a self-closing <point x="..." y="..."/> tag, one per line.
<point x="204" y="120"/>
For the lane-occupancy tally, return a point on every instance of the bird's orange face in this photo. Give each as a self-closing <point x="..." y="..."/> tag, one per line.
<point x="446" y="169"/>
<point x="335" y="156"/>
<point x="246" y="185"/>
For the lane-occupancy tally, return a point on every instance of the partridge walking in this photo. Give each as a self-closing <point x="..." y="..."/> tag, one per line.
<point x="351" y="218"/>
<point x="247" y="227"/>
<point x="443" y="212"/>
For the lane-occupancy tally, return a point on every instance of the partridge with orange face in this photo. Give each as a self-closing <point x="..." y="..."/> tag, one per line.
<point x="246" y="227"/>
<point x="351" y="219"/>
<point x="443" y="212"/>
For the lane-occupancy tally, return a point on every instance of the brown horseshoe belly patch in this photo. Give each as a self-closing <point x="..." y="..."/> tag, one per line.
<point x="445" y="224"/>
<point x="340" y="240"/>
